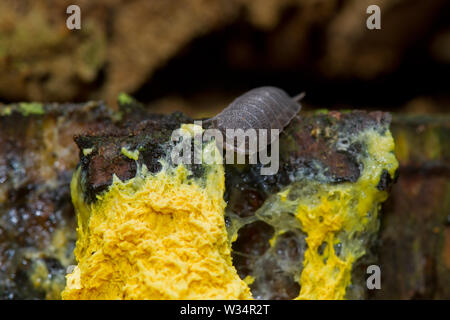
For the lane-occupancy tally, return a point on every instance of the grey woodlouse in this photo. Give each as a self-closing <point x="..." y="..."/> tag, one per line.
<point x="260" y="108"/>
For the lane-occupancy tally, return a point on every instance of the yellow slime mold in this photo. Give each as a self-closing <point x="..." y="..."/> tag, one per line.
<point x="163" y="236"/>
<point x="349" y="208"/>
<point x="337" y="218"/>
<point x="156" y="236"/>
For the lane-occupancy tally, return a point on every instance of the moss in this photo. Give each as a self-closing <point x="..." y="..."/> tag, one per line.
<point x="6" y="111"/>
<point x="321" y="111"/>
<point x="32" y="108"/>
<point x="125" y="99"/>
<point x="25" y="108"/>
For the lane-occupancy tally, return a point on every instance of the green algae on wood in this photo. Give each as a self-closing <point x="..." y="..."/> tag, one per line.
<point x="24" y="108"/>
<point x="31" y="108"/>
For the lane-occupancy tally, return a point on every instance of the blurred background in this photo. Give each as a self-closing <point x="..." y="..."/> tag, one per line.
<point x="197" y="55"/>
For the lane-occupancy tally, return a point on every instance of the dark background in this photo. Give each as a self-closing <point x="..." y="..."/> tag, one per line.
<point x="196" y="56"/>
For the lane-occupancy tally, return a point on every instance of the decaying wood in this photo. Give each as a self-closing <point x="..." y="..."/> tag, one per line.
<point x="38" y="156"/>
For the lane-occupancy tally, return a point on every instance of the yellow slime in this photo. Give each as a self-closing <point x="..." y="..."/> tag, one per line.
<point x="335" y="216"/>
<point x="163" y="236"/>
<point x="157" y="236"/>
<point x="347" y="208"/>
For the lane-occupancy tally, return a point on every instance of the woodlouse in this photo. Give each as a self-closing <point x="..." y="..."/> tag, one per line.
<point x="260" y="108"/>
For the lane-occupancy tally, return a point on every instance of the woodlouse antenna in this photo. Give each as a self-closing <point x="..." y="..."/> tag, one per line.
<point x="299" y="97"/>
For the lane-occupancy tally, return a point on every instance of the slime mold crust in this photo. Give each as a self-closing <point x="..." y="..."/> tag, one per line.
<point x="156" y="236"/>
<point x="162" y="235"/>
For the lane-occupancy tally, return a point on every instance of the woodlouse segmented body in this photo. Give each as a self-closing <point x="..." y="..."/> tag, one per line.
<point x="260" y="108"/>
